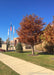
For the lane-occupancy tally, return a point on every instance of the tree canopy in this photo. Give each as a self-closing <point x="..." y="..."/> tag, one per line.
<point x="49" y="34"/>
<point x="30" y="29"/>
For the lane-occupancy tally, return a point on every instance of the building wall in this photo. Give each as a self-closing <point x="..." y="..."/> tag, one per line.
<point x="15" y="41"/>
<point x="4" y="46"/>
<point x="25" y="49"/>
<point x="12" y="48"/>
<point x="40" y="47"/>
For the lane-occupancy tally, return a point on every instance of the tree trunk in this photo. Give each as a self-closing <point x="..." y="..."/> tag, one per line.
<point x="33" y="50"/>
<point x="7" y="48"/>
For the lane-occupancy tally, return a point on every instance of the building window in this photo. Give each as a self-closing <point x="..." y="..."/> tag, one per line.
<point x="28" y="47"/>
<point x="15" y="42"/>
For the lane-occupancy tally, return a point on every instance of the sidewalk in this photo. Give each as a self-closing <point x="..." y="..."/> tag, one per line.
<point x="23" y="67"/>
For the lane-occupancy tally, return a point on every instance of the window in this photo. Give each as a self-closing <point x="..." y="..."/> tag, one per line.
<point x="15" y="42"/>
<point x="28" y="47"/>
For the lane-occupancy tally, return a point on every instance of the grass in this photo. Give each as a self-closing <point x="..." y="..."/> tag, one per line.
<point x="5" y="70"/>
<point x="44" y="60"/>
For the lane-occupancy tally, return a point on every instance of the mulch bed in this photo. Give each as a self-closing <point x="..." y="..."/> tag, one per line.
<point x="34" y="55"/>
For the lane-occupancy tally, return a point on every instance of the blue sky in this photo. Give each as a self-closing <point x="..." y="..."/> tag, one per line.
<point x="14" y="10"/>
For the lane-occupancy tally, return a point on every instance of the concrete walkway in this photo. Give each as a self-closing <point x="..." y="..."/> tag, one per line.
<point x="24" y="68"/>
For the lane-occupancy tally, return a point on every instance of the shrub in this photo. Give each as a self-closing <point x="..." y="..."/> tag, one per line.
<point x="19" y="48"/>
<point x="50" y="48"/>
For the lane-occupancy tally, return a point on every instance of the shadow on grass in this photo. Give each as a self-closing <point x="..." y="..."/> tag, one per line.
<point x="11" y="50"/>
<point x="44" y="53"/>
<point x="19" y="52"/>
<point x="36" y="53"/>
<point x="26" y="51"/>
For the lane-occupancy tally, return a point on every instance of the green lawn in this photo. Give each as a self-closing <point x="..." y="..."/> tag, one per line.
<point x="42" y="59"/>
<point x="5" y="70"/>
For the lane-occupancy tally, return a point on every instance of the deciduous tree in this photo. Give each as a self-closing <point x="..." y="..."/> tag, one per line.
<point x="30" y="30"/>
<point x="49" y="34"/>
<point x="49" y="38"/>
